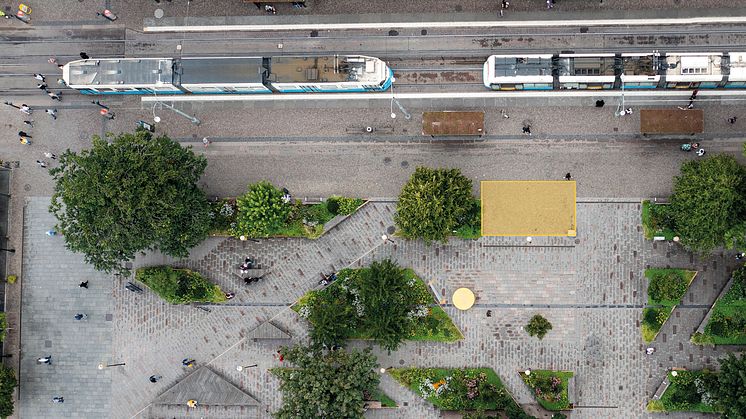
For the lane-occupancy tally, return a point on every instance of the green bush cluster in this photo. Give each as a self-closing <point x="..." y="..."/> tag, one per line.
<point x="343" y="205"/>
<point x="549" y="388"/>
<point x="3" y="326"/>
<point x="688" y="391"/>
<point x="223" y="216"/>
<point x="668" y="285"/>
<point x="8" y="383"/>
<point x="477" y="389"/>
<point x="261" y="211"/>
<point x="179" y="286"/>
<point x="538" y="326"/>
<point x="728" y="321"/>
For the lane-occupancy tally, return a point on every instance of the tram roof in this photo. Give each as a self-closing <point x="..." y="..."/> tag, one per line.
<point x="523" y="66"/>
<point x="120" y="71"/>
<point x="220" y="70"/>
<point x="330" y="68"/>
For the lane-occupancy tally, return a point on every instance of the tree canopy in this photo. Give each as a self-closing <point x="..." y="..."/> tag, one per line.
<point x="708" y="205"/>
<point x="434" y="203"/>
<point x="320" y="384"/>
<point x="136" y="192"/>
<point x="8" y="383"/>
<point x="261" y="210"/>
<point x="730" y="390"/>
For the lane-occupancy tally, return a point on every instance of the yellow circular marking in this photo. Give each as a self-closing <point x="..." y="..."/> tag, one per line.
<point x="463" y="298"/>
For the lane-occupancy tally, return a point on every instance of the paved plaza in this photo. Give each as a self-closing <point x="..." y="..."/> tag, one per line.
<point x="591" y="287"/>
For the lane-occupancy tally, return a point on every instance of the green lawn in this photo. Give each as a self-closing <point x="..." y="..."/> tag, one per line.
<point x="539" y="379"/>
<point x="648" y="229"/>
<point x="454" y="396"/>
<point x="727" y="325"/>
<point x="681" y="395"/>
<point x="382" y="397"/>
<point x="655" y="316"/>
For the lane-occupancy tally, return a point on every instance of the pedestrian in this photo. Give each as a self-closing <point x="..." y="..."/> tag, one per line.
<point x="649" y="351"/>
<point x="41" y="163"/>
<point x="23" y="134"/>
<point x="732" y="119"/>
<point x="52" y="113"/>
<point x="84" y="284"/>
<point x="39" y="77"/>
<point x="51" y="233"/>
<point x="206" y="142"/>
<point x="54" y="96"/>
<point x="527" y="129"/>
<point x="81" y="316"/>
<point x="41" y="86"/>
<point x="504" y="114"/>
<point x="50" y="155"/>
<point x="701" y="152"/>
<point x="25" y="109"/>
<point x="29" y="123"/>
<point x="270" y="9"/>
<point x="187" y="362"/>
<point x="191" y="403"/>
<point x="628" y="111"/>
<point x="44" y="360"/>
<point x="58" y="399"/>
<point x="600" y="103"/>
<point x="61" y="82"/>
<point x="568" y="176"/>
<point x="549" y="4"/>
<point x="286" y="198"/>
<point x="489" y="313"/>
<point x="154" y="378"/>
<point x="505" y="4"/>
<point x="740" y="256"/>
<point x="229" y="295"/>
<point x="84" y="56"/>
<point x="279" y="356"/>
<point x="24" y="141"/>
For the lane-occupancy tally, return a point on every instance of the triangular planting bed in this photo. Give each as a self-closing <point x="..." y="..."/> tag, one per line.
<point x="550" y="388"/>
<point x="666" y="288"/>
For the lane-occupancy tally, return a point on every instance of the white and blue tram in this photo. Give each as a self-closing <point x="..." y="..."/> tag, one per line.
<point x="228" y="75"/>
<point x="697" y="70"/>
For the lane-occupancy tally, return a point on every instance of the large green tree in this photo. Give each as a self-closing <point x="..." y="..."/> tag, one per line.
<point x="729" y="392"/>
<point x="8" y="383"/>
<point x="708" y="205"/>
<point x="134" y="192"/>
<point x="261" y="210"/>
<point x="320" y="384"/>
<point x="391" y="302"/>
<point x="434" y="203"/>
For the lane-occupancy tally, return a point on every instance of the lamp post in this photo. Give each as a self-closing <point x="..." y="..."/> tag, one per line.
<point x="102" y="365"/>
<point x="157" y="119"/>
<point x="386" y="238"/>
<point x="401" y="108"/>
<point x="241" y="368"/>
<point x="8" y="250"/>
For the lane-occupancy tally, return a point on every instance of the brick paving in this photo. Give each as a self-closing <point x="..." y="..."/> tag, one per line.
<point x="590" y="287"/>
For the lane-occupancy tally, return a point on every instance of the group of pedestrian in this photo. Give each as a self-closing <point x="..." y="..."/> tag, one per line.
<point x="691" y="101"/>
<point x="43" y="87"/>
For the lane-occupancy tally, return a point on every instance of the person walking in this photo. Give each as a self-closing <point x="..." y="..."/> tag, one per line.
<point x="52" y="113"/>
<point x="44" y="360"/>
<point x="51" y="233"/>
<point x="39" y="77"/>
<point x="568" y="176"/>
<point x="81" y="316"/>
<point x="50" y="155"/>
<point x="206" y="142"/>
<point x="58" y="399"/>
<point x="84" y="284"/>
<point x="29" y="123"/>
<point x="41" y="163"/>
<point x="732" y="120"/>
<point x="24" y="141"/>
<point x="24" y="134"/>
<point x="41" y="86"/>
<point x="25" y="109"/>
<point x="84" y="56"/>
<point x="155" y="378"/>
<point x="549" y="4"/>
<point x="54" y="96"/>
<point x="187" y="362"/>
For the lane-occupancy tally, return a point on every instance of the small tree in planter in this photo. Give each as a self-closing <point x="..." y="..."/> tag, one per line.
<point x="261" y="211"/>
<point x="538" y="326"/>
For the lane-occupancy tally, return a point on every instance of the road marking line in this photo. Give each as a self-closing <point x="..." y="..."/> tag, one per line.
<point x="446" y="24"/>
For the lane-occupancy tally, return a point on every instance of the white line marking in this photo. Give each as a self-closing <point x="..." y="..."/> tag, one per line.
<point x="445" y="24"/>
<point x="438" y="95"/>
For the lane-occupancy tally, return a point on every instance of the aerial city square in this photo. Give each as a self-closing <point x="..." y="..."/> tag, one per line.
<point x="288" y="209"/>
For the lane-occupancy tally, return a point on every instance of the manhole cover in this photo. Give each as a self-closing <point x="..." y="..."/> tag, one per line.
<point x="404" y="163"/>
<point x="158" y="13"/>
<point x="401" y="362"/>
<point x="109" y="317"/>
<point x="386" y="160"/>
<point x="27" y="187"/>
<point x="390" y="230"/>
<point x="393" y="33"/>
<point x="424" y="32"/>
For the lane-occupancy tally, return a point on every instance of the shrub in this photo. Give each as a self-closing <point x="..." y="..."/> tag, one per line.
<point x="8" y="383"/>
<point x="261" y="211"/>
<point x="660" y="217"/>
<point x="3" y="326"/>
<point x="668" y="285"/>
<point x="343" y="205"/>
<point x="11" y="279"/>
<point x="223" y="214"/>
<point x="179" y="286"/>
<point x="538" y="326"/>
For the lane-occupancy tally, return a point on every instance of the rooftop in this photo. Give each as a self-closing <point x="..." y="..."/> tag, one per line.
<point x="121" y="71"/>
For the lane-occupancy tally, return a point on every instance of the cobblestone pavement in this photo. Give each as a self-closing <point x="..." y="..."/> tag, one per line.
<point x="590" y="287"/>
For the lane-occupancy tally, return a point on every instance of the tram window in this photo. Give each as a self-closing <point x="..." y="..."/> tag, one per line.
<point x="709" y="84"/>
<point x="736" y="84"/>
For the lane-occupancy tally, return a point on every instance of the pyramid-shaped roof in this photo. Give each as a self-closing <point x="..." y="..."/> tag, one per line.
<point x="267" y="330"/>
<point x="208" y="389"/>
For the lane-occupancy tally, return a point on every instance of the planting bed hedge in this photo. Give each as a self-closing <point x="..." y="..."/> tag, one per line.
<point x="665" y="290"/>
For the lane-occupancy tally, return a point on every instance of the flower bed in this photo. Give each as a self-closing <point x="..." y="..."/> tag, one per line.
<point x="665" y="290"/>
<point x="687" y="392"/>
<point x="459" y="389"/>
<point x="727" y="324"/>
<point x="302" y="221"/>
<point x="179" y="286"/>
<point x="654" y="221"/>
<point x="549" y="388"/>
<point x="428" y="323"/>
